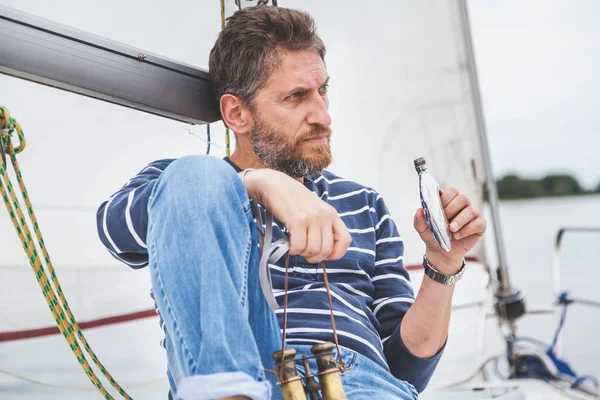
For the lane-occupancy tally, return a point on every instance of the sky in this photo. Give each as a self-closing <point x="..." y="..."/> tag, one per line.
<point x="536" y="62"/>
<point x="538" y="70"/>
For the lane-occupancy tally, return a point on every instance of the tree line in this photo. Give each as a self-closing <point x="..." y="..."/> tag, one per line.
<point x="515" y="187"/>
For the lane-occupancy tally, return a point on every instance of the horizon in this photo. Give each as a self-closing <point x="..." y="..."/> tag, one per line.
<point x="536" y="66"/>
<point x="546" y="174"/>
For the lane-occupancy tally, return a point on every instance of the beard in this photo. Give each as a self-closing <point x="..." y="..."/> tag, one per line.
<point x="293" y="157"/>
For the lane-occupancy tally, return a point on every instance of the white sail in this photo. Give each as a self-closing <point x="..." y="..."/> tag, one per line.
<point x="400" y="89"/>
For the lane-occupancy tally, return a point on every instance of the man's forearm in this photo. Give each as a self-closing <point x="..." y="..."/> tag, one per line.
<point x="424" y="328"/>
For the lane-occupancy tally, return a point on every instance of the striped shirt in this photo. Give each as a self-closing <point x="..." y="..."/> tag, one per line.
<point x="370" y="288"/>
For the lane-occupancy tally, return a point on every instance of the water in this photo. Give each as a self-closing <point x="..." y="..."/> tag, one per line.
<point x="530" y="229"/>
<point x="132" y="354"/>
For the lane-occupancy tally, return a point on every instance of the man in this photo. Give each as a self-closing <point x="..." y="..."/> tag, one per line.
<point x="190" y="221"/>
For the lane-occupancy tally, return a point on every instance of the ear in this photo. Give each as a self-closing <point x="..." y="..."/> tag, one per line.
<point x="236" y="115"/>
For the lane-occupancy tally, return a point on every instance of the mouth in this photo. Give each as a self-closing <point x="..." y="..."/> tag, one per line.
<point x="318" y="139"/>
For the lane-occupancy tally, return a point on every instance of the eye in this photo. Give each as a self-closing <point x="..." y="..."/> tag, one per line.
<point x="297" y="94"/>
<point x="324" y="88"/>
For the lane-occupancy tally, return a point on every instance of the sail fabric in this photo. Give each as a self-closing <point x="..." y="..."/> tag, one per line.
<point x="400" y="89"/>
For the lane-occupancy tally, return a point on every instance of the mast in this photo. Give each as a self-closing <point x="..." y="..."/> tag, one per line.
<point x="509" y="301"/>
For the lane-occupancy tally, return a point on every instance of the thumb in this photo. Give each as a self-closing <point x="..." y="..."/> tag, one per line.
<point x="422" y="228"/>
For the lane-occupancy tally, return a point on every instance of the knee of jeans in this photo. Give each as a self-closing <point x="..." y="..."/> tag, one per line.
<point x="200" y="179"/>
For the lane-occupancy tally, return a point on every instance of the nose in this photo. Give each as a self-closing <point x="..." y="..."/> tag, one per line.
<point x="318" y="113"/>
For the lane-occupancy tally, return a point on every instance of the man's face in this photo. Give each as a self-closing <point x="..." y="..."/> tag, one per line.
<point x="291" y="130"/>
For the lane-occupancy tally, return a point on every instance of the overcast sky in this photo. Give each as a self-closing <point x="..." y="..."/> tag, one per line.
<point x="538" y="65"/>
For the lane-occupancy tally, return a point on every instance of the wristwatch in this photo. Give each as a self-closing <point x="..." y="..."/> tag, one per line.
<point x="437" y="276"/>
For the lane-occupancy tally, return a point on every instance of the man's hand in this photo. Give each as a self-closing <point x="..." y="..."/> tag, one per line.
<point x="316" y="230"/>
<point x="466" y="228"/>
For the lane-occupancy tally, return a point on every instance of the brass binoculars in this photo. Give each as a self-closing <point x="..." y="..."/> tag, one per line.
<point x="292" y="385"/>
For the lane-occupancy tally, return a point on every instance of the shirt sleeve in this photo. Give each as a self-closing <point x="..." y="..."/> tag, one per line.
<point x="122" y="220"/>
<point x="394" y="295"/>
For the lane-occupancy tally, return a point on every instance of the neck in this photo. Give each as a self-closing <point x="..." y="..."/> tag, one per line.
<point x="246" y="158"/>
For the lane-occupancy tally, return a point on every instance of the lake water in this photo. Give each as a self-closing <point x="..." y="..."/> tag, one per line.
<point x="131" y="352"/>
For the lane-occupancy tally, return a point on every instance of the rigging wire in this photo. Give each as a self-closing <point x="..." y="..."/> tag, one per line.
<point x="209" y="142"/>
<point x="80" y="388"/>
<point x="61" y="207"/>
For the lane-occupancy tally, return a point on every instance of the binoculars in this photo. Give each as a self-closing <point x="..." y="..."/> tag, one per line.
<point x="292" y="385"/>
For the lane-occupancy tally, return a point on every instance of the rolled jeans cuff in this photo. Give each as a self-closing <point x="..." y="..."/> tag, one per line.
<point x="223" y="384"/>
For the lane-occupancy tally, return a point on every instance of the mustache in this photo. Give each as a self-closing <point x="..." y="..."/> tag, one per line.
<point x="316" y="130"/>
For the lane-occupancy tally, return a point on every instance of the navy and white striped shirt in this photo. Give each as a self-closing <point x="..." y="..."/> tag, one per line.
<point x="370" y="287"/>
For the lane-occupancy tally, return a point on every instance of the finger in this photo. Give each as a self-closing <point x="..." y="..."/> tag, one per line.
<point x="420" y="224"/>
<point x="341" y="239"/>
<point x="448" y="195"/>
<point x="456" y="205"/>
<point x="475" y="227"/>
<point x="327" y="244"/>
<point x="467" y="215"/>
<point x="298" y="234"/>
<point x="313" y="243"/>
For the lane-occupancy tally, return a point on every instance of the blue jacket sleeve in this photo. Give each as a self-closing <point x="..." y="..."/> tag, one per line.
<point x="122" y="220"/>
<point x="394" y="295"/>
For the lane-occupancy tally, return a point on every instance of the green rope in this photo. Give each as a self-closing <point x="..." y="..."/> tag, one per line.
<point x="52" y="292"/>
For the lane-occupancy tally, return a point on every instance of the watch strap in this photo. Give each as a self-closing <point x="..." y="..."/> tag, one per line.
<point x="437" y="276"/>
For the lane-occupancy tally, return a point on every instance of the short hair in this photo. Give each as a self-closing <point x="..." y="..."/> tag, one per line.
<point x="252" y="44"/>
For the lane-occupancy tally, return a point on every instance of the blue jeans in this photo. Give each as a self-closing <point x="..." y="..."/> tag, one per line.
<point x="221" y="333"/>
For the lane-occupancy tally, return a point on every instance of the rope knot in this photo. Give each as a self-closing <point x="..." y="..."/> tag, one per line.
<point x="8" y="125"/>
